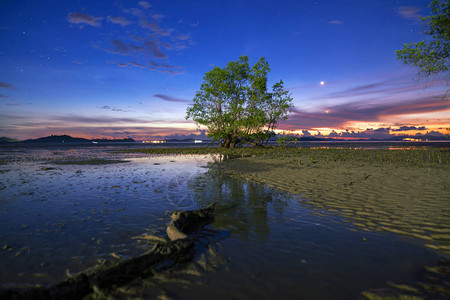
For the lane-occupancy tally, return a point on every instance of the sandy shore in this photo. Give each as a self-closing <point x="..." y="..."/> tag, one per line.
<point x="412" y="200"/>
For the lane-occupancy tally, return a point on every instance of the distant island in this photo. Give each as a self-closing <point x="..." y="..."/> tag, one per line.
<point x="64" y="139"/>
<point x="7" y="140"/>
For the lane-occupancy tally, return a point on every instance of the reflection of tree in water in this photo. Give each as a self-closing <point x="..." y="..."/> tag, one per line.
<point x="243" y="207"/>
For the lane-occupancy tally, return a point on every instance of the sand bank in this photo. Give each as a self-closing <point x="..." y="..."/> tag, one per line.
<point x="410" y="199"/>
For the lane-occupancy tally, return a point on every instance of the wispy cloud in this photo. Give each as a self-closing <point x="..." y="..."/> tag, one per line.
<point x="338" y="116"/>
<point x="388" y="87"/>
<point x="183" y="37"/>
<point x="157" y="17"/>
<point x="424" y="105"/>
<point x="120" y="47"/>
<point x="70" y="120"/>
<point x="158" y="38"/>
<point x="336" y="22"/>
<point x="156" y="28"/>
<point x="113" y="108"/>
<point x="154" y="66"/>
<point x="79" y="18"/>
<point x="144" y="4"/>
<point x="409" y="12"/>
<point x="134" y="11"/>
<point x="119" y="20"/>
<point x="152" y="45"/>
<point x="5" y="85"/>
<point x="163" y="65"/>
<point x="171" y="72"/>
<point x="170" y="99"/>
<point x="135" y="64"/>
<point x="155" y="49"/>
<point x="361" y="90"/>
<point x="146" y="39"/>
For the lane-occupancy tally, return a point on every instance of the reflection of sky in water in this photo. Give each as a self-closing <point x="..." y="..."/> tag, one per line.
<point x="263" y="244"/>
<point x="277" y="247"/>
<point x="68" y="216"/>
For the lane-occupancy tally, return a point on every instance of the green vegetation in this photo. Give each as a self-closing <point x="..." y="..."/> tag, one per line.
<point x="431" y="56"/>
<point x="235" y="106"/>
<point x="404" y="157"/>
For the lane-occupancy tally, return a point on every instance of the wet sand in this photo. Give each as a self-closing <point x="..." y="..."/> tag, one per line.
<point x="407" y="199"/>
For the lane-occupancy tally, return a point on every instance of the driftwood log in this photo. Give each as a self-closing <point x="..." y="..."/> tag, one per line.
<point x="186" y="222"/>
<point x="113" y="274"/>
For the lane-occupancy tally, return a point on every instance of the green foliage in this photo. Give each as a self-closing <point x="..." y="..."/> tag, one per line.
<point x="283" y="141"/>
<point x="235" y="106"/>
<point x="431" y="56"/>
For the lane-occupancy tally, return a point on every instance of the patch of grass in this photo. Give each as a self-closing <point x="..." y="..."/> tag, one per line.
<point x="412" y="157"/>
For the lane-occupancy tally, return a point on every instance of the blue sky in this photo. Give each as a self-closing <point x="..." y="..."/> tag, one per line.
<point x="130" y="68"/>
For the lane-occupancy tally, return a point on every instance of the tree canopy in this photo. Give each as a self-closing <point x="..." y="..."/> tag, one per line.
<point x="234" y="104"/>
<point x="431" y="55"/>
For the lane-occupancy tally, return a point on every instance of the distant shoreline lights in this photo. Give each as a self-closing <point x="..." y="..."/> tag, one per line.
<point x="153" y="142"/>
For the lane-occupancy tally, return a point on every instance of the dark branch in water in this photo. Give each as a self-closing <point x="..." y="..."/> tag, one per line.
<point x="108" y="275"/>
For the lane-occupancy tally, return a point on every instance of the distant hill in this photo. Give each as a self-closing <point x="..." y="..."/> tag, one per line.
<point x="57" y="139"/>
<point x="68" y="139"/>
<point x="7" y="140"/>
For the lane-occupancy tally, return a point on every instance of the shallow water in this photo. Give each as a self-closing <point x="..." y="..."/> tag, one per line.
<point x="58" y="217"/>
<point x="263" y="244"/>
<point x="269" y="245"/>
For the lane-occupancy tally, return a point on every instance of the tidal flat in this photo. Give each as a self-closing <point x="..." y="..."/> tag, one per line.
<point x="291" y="222"/>
<point x="406" y="192"/>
